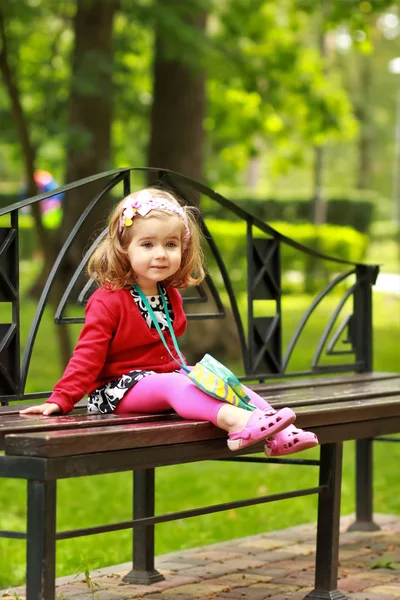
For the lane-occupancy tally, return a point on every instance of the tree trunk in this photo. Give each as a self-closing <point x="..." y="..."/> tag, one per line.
<point x="90" y="115"/>
<point x="177" y="134"/>
<point x="319" y="200"/>
<point x="363" y="114"/>
<point x="319" y="212"/>
<point x="176" y="143"/>
<point x="89" y="144"/>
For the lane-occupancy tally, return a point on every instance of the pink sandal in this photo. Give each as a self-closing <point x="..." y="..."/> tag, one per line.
<point x="261" y="425"/>
<point x="290" y="441"/>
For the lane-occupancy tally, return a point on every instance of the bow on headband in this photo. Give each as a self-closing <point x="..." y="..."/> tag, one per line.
<point x="143" y="203"/>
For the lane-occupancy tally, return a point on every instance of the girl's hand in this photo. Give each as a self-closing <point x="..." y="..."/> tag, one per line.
<point x="48" y="408"/>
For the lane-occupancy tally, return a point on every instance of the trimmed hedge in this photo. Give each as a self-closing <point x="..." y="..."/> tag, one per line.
<point x="7" y="199"/>
<point x="356" y="209"/>
<point x="339" y="242"/>
<point x="27" y="235"/>
<point x="353" y="208"/>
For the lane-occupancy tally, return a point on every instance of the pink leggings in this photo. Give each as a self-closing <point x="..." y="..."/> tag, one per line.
<point x="163" y="391"/>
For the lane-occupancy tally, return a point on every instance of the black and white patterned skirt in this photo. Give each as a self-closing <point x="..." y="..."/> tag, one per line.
<point x="105" y="399"/>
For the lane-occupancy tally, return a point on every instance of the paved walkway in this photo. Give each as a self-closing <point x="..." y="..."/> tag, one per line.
<point x="274" y="566"/>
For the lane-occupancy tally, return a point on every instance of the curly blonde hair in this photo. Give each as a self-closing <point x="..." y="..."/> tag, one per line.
<point x="109" y="265"/>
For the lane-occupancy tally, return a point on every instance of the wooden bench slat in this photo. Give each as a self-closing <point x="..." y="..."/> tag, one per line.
<point x="338" y="413"/>
<point x="71" y="420"/>
<point x="377" y="388"/>
<point x="32" y="423"/>
<point x="270" y="386"/>
<point x="323" y="381"/>
<point x="105" y="439"/>
<point x="158" y="433"/>
<point x="13" y="409"/>
<point x="326" y="395"/>
<point x="302" y="400"/>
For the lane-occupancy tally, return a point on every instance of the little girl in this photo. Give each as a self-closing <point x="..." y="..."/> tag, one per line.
<point x="153" y="247"/>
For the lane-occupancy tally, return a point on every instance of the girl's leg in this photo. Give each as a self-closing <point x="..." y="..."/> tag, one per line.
<point x="257" y="400"/>
<point x="163" y="391"/>
<point x="287" y="441"/>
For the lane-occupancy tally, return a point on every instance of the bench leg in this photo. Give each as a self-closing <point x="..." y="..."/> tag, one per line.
<point x="364" y="487"/>
<point x="327" y="555"/>
<point x="41" y="540"/>
<point x="143" y="536"/>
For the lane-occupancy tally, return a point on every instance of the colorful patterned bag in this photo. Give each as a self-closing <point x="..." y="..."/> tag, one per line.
<point x="209" y="374"/>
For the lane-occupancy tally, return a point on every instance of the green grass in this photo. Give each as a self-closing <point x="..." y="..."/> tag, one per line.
<point x="105" y="499"/>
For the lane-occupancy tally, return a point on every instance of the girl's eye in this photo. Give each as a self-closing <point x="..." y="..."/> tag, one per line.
<point x="172" y="245"/>
<point x="146" y="244"/>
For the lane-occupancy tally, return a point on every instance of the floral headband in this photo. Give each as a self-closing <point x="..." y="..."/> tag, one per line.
<point x="143" y="203"/>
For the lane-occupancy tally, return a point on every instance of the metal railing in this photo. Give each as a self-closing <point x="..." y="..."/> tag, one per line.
<point x="261" y="349"/>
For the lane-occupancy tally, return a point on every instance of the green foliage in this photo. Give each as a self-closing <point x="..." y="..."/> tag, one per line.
<point x="273" y="92"/>
<point x="354" y="208"/>
<point x="385" y="563"/>
<point x="385" y="230"/>
<point x="338" y="242"/>
<point x="39" y="43"/>
<point x="265" y="81"/>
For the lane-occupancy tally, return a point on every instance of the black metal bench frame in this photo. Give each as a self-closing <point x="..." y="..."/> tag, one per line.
<point x="263" y="361"/>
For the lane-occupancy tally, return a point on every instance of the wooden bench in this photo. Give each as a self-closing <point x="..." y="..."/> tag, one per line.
<point x="350" y="406"/>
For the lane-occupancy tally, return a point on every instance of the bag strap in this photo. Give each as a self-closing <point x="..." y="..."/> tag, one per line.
<point x="157" y="326"/>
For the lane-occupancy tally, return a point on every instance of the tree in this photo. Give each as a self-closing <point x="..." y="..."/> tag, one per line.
<point x="268" y="90"/>
<point x="8" y="71"/>
<point x="178" y="108"/>
<point x="90" y="111"/>
<point x="360" y="21"/>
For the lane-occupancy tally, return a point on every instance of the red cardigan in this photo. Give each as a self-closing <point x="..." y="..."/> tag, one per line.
<point x="115" y="340"/>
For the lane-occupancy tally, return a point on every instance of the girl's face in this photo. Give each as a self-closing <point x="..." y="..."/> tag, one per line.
<point x="155" y="250"/>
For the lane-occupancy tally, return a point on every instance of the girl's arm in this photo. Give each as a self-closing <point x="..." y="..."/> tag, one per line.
<point x="48" y="408"/>
<point x="86" y="363"/>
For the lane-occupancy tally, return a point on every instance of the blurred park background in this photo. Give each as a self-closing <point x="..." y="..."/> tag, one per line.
<point x="289" y="108"/>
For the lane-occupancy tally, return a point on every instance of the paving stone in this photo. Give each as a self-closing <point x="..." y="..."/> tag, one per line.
<point x="275" y="556"/>
<point x="354" y="584"/>
<point x="300" y="578"/>
<point x="344" y="555"/>
<point x="301" y="549"/>
<point x="190" y="561"/>
<point x="264" y="543"/>
<point x="173" y="565"/>
<point x="296" y="564"/>
<point x="73" y="588"/>
<point x="160" y="596"/>
<point x="367" y="559"/>
<point x="298" y="595"/>
<point x="207" y="571"/>
<point x="274" y="566"/>
<point x="259" y="591"/>
<point x="239" y="579"/>
<point x="216" y="556"/>
<point x="17" y="591"/>
<point x="393" y="590"/>
<point x="367" y="595"/>
<point x="195" y="589"/>
<point x="105" y="595"/>
<point x="374" y="575"/>
<point x="173" y="581"/>
<point x="240" y="564"/>
<point x="267" y="572"/>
